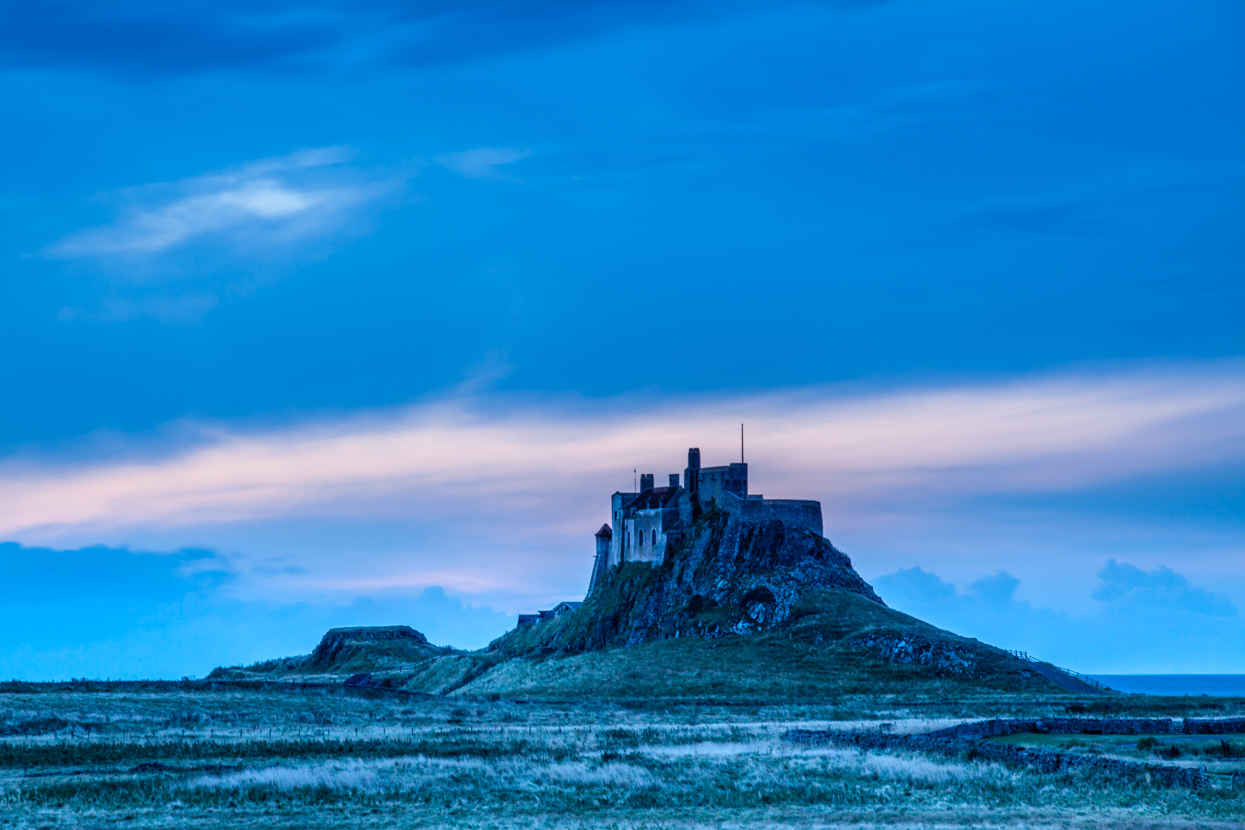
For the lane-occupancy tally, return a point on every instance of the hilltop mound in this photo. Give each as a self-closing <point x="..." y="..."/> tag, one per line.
<point x="391" y="656"/>
<point x="358" y="647"/>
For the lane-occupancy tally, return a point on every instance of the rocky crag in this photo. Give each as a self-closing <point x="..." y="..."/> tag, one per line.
<point x="728" y="577"/>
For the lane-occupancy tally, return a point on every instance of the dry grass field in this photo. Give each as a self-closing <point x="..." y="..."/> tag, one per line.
<point x="193" y="756"/>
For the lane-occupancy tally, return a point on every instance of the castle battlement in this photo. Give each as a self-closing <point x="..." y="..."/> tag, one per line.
<point x="645" y="525"/>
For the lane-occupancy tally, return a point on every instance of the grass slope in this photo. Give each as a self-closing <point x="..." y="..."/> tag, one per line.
<point x="837" y="644"/>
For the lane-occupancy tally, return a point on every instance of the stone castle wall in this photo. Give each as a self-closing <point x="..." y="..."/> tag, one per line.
<point x="718" y="483"/>
<point x="799" y="513"/>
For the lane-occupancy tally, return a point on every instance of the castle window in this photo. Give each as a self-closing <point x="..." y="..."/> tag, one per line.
<point x="654" y="537"/>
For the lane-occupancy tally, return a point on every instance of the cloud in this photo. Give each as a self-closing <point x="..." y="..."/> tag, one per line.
<point x="495" y="497"/>
<point x="544" y="463"/>
<point x="482" y="163"/>
<point x="110" y="612"/>
<point x="1163" y="588"/>
<point x="176" y="309"/>
<point x="140" y="39"/>
<point x="1083" y="208"/>
<point x="877" y="109"/>
<point x="1148" y="622"/>
<point x="999" y="589"/>
<point x="269" y="202"/>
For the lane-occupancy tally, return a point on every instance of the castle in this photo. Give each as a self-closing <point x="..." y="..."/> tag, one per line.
<point x="649" y="523"/>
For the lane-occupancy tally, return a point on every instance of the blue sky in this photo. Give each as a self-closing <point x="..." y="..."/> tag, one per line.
<point x="323" y="313"/>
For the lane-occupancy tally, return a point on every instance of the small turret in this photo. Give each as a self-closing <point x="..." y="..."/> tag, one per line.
<point x="602" y="562"/>
<point x="646" y="481"/>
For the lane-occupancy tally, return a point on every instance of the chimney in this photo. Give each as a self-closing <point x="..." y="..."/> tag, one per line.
<point x="646" y="481"/>
<point x="691" y="476"/>
<point x="674" y="481"/>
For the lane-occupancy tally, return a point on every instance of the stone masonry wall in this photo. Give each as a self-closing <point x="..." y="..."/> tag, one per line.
<point x="796" y="513"/>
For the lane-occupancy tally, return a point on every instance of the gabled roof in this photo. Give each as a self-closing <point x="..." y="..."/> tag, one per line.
<point x="656" y="497"/>
<point x="605" y="531"/>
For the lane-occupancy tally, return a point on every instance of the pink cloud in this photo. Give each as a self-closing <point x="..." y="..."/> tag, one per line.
<point x="547" y="467"/>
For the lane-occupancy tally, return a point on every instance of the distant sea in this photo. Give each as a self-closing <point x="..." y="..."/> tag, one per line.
<point x="1232" y="685"/>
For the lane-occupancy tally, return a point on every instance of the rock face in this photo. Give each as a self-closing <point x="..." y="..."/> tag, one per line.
<point x="729" y="576"/>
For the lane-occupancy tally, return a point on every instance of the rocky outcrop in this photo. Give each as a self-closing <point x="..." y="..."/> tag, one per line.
<point x="915" y="649"/>
<point x="730" y="575"/>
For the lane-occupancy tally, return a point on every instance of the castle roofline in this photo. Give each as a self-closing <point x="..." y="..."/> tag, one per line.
<point x="654" y="497"/>
<point x="605" y="532"/>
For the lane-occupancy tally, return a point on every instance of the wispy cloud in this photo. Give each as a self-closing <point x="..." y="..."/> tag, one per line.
<point x="265" y="202"/>
<point x="483" y="162"/>
<point x="543" y="466"/>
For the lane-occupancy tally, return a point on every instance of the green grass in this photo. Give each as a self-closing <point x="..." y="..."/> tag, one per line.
<point x="313" y="759"/>
<point x="1217" y="753"/>
<point x="816" y="657"/>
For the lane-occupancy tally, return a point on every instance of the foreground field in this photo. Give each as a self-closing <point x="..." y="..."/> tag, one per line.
<point x="195" y="757"/>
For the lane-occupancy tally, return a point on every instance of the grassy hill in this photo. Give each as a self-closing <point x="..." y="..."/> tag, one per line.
<point x="838" y="644"/>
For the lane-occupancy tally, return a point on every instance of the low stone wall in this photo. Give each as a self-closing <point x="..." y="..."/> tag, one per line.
<point x="1221" y="726"/>
<point x="969" y="741"/>
<point x="980" y="730"/>
<point x="1041" y="759"/>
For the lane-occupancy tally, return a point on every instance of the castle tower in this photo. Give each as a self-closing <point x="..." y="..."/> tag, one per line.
<point x="602" y="563"/>
<point x="603" y="541"/>
<point x="646" y="481"/>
